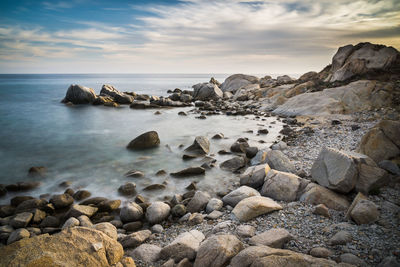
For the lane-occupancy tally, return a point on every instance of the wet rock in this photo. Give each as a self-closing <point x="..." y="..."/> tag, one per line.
<point x="146" y="252"/>
<point x="198" y="202"/>
<point x="18" y="235"/>
<point x="134" y="174"/>
<point x="145" y="141"/>
<point x="239" y="194"/>
<point x="78" y="94"/>
<point x="61" y="201"/>
<point x="252" y="207"/>
<point x="31" y="204"/>
<point x="189" y="172"/>
<point x="233" y="164"/>
<point x="263" y="131"/>
<point x="279" y="146"/>
<point x="38" y="216"/>
<point x="274" y="238"/>
<point x="200" y="146"/>
<point x="119" y="97"/>
<point x="128" y="189"/>
<point x="157" y="212"/>
<point x="251" y="152"/>
<point x="155" y="187"/>
<point x="260" y="157"/>
<point x="37" y="171"/>
<point x="131" y="212"/>
<point x="340" y="238"/>
<point x="15" y="201"/>
<point x="135" y="239"/>
<point x="218" y="250"/>
<point x="22" y="186"/>
<point x="218" y="136"/>
<point x="185" y="245"/>
<point x="239" y="147"/>
<point x="214" y="204"/>
<point x="78" y="210"/>
<point x="81" y="194"/>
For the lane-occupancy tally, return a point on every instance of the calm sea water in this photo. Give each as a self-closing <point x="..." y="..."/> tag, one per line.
<point x="87" y="144"/>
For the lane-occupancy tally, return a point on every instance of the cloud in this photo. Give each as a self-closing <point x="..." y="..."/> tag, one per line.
<point x="222" y="36"/>
<point x="57" y="5"/>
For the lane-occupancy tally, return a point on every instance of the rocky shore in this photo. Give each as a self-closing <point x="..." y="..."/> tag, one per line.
<point x="327" y="193"/>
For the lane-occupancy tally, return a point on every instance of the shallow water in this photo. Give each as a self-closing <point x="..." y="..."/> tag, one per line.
<point x="87" y="144"/>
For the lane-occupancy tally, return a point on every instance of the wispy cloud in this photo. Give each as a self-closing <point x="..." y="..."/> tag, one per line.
<point x="54" y="5"/>
<point x="206" y="36"/>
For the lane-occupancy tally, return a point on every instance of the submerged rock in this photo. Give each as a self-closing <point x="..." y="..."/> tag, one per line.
<point x="145" y="141"/>
<point x="200" y="146"/>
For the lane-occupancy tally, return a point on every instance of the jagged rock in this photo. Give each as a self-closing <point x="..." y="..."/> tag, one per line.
<point x="263" y="256"/>
<point x="281" y="186"/>
<point x="184" y="246"/>
<point x="316" y="194"/>
<point x="145" y="141"/>
<point x="78" y="94"/>
<point x="274" y="238"/>
<point x="252" y="207"/>
<point x="200" y="146"/>
<point x="157" y="212"/>
<point x="119" y="97"/>
<point x="218" y="250"/>
<point x="78" y="246"/>
<point x="206" y="91"/>
<point x="239" y="194"/>
<point x="254" y="175"/>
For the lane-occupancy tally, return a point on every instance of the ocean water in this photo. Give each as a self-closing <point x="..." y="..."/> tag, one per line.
<point x="86" y="144"/>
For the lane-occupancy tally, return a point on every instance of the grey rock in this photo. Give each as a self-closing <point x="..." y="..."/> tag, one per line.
<point x="233" y="164"/>
<point x="184" y="246"/>
<point x="316" y="194"/>
<point x="135" y="239"/>
<point x="254" y="176"/>
<point x="238" y="194"/>
<point x="236" y="81"/>
<point x="198" y="202"/>
<point x="279" y="146"/>
<point x="214" y="204"/>
<point x="352" y="259"/>
<point x="365" y="212"/>
<point x="21" y="220"/>
<point x="281" y="186"/>
<point x="131" y="212"/>
<point x="389" y="166"/>
<point x="118" y="96"/>
<point x="127" y="189"/>
<point x="78" y="94"/>
<point x="132" y="226"/>
<point x="200" y="146"/>
<point x="157" y="212"/>
<point x="157" y="228"/>
<point x="18" y="235"/>
<point x="274" y="238"/>
<point x="214" y="215"/>
<point x="206" y="91"/>
<point x="279" y="161"/>
<point x="146" y="252"/>
<point x="341" y="238"/>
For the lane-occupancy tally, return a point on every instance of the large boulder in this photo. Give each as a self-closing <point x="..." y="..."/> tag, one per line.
<point x="357" y="96"/>
<point x="157" y="212"/>
<point x="382" y="141"/>
<point x="218" y="250"/>
<point x="264" y="256"/>
<point x="78" y="94"/>
<point x="236" y="81"/>
<point x="343" y="171"/>
<point x="252" y="207"/>
<point x="362" y="59"/>
<point x="145" y="141"/>
<point x="237" y="195"/>
<point x="316" y="194"/>
<point x="281" y="186"/>
<point x="184" y="246"/>
<point x="206" y="91"/>
<point x="78" y="246"/>
<point x="119" y="97"/>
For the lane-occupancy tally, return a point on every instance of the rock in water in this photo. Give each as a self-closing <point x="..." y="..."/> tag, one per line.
<point x="78" y="94"/>
<point x="145" y="141"/>
<point x="233" y="164"/>
<point x="75" y="246"/>
<point x="236" y="81"/>
<point x="200" y="146"/>
<point x="118" y="96"/>
<point x="189" y="172"/>
<point x="218" y="250"/>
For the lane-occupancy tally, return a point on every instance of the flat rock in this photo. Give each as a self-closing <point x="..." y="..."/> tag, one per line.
<point x="191" y="171"/>
<point x="184" y="246"/>
<point x="274" y="238"/>
<point x="135" y="239"/>
<point x="252" y="207"/>
<point x="239" y="194"/>
<point x="18" y="235"/>
<point x="200" y="146"/>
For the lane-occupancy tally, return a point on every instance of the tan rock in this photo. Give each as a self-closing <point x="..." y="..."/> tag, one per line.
<point x="281" y="186"/>
<point x="274" y="238"/>
<point x="252" y="207"/>
<point x="316" y="194"/>
<point x="184" y="246"/>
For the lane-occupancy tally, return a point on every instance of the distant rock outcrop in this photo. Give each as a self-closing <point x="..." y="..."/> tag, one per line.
<point x="78" y="94"/>
<point x="119" y="97"/>
<point x="236" y="81"/>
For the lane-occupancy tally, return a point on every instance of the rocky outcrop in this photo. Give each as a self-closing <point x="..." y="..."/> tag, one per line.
<point x="354" y="97"/>
<point x="78" y="246"/>
<point x="343" y="171"/>
<point x="119" y="97"/>
<point x="78" y="94"/>
<point x="236" y="81"/>
<point x="145" y="141"/>
<point x="359" y="60"/>
<point x="207" y="91"/>
<point x="382" y="141"/>
<point x="263" y="256"/>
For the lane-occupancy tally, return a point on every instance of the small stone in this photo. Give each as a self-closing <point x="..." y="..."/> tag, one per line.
<point x="320" y="252"/>
<point x="157" y="228"/>
<point x="245" y="230"/>
<point x="184" y="246"/>
<point x="321" y="209"/>
<point x="351" y="259"/>
<point x="214" y="204"/>
<point x="18" y="235"/>
<point x="214" y="215"/>
<point x="135" y="239"/>
<point x="341" y="238"/>
<point x="195" y="218"/>
<point x="274" y="238"/>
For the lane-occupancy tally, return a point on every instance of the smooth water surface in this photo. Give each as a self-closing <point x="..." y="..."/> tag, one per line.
<point x="86" y="144"/>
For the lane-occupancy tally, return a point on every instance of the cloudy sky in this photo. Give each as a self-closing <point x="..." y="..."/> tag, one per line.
<point x="188" y="36"/>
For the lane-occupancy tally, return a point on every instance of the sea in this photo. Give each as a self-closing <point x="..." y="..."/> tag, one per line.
<point x="86" y="144"/>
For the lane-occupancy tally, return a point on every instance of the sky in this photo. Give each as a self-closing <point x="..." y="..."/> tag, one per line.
<point x="188" y="36"/>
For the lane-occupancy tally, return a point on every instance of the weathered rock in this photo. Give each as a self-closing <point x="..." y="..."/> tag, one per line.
<point x="78" y="94"/>
<point x="21" y="220"/>
<point x="71" y="222"/>
<point x="61" y="201"/>
<point x="135" y="239"/>
<point x="234" y="197"/>
<point x="214" y="204"/>
<point x="236" y="81"/>
<point x="108" y="229"/>
<point x="364" y="212"/>
<point x="157" y="212"/>
<point x="17" y="235"/>
<point x="279" y="161"/>
<point x="200" y="146"/>
<point x="154" y="187"/>
<point x="274" y="238"/>
<point x="185" y="245"/>
<point x="340" y="238"/>
<point x="118" y="96"/>
<point x="316" y="194"/>
<point x="218" y="250"/>
<point x="252" y="207"/>
<point x="370" y="177"/>
<point x="195" y="218"/>
<point x="321" y="209"/>
<point x="351" y="259"/>
<point x="281" y="186"/>
<point x="109" y="205"/>
<point x="233" y="164"/>
<point x="189" y="172"/>
<point x="206" y="91"/>
<point x="382" y="141"/>
<point x="198" y="202"/>
<point x="131" y="212"/>
<point x="77" y="246"/>
<point x="254" y="175"/>
<point x="320" y="252"/>
<point x="81" y="194"/>
<point x="78" y="210"/>
<point x="246" y="230"/>
<point x="263" y="256"/>
<point x="127" y="189"/>
<point x="146" y="252"/>
<point x="145" y="141"/>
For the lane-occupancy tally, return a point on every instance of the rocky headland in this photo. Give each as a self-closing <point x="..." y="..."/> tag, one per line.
<point x="327" y="193"/>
